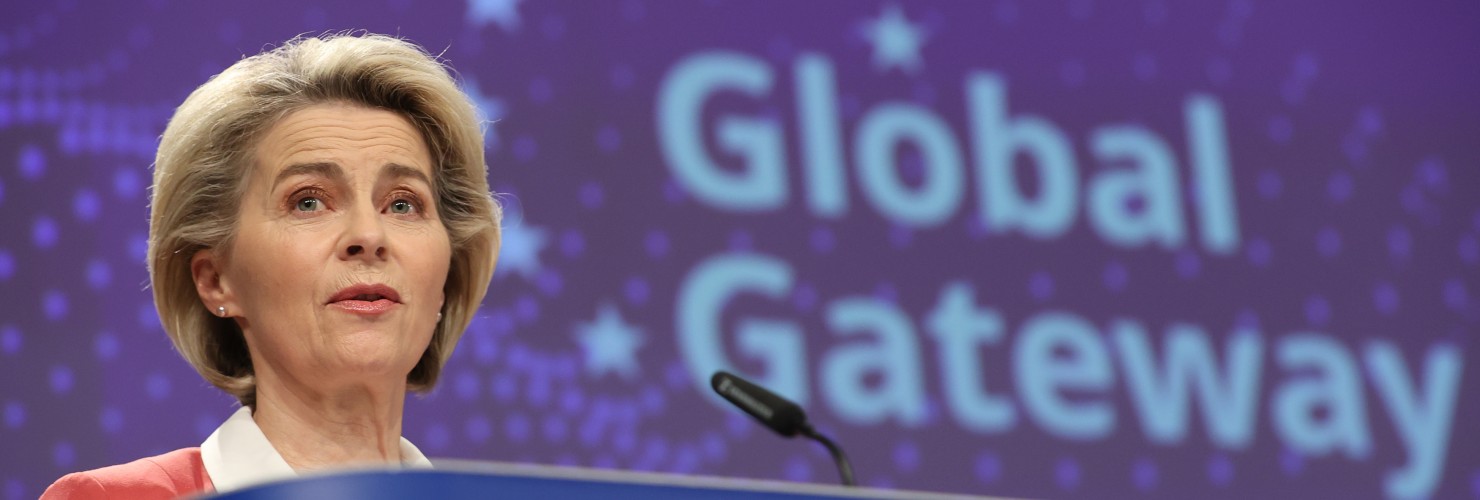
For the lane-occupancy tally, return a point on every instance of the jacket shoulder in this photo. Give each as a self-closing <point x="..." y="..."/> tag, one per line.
<point x="170" y="475"/>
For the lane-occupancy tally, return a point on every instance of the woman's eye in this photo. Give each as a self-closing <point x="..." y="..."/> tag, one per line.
<point x="309" y="204"/>
<point x="402" y="207"/>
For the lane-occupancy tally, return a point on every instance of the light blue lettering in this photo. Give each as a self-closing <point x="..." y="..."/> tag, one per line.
<point x="1228" y="401"/>
<point x="998" y="140"/>
<point x="1335" y="386"/>
<point x="883" y="128"/>
<point x="1422" y="413"/>
<point x="1153" y="180"/>
<point x="701" y="300"/>
<point x="962" y="329"/>
<point x="1061" y="352"/>
<point x="895" y="356"/>
<point x="761" y="184"/>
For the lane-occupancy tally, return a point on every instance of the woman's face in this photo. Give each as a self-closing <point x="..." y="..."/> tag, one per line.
<point x="339" y="259"/>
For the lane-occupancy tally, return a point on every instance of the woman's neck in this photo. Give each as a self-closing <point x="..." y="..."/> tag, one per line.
<point x="316" y="429"/>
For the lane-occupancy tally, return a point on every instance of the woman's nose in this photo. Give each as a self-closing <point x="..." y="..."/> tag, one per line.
<point x="364" y="237"/>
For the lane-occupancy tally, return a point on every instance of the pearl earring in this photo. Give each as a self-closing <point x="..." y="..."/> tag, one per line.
<point x="439" y="317"/>
<point x="221" y="311"/>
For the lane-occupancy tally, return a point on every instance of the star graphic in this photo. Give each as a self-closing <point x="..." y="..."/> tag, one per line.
<point x="519" y="250"/>
<point x="896" y="41"/>
<point x="490" y="111"/>
<point x="503" y="12"/>
<point x="611" y="344"/>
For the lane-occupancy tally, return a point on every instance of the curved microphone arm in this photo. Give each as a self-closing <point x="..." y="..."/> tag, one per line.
<point x="845" y="469"/>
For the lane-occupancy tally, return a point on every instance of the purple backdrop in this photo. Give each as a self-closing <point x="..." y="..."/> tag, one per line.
<point x="1043" y="249"/>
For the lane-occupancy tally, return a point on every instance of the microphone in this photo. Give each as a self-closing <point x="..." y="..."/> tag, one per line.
<point x="776" y="412"/>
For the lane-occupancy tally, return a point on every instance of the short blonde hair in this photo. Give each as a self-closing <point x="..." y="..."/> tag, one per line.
<point x="205" y="155"/>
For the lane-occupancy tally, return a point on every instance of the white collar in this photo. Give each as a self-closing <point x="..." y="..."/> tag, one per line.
<point x="238" y="455"/>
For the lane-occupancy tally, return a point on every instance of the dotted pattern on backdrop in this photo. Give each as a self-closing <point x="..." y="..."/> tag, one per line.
<point x="1356" y="185"/>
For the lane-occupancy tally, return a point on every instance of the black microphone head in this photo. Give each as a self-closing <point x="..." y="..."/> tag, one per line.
<point x="782" y="416"/>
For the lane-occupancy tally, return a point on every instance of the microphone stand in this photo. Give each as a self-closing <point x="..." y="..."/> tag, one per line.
<point x="845" y="469"/>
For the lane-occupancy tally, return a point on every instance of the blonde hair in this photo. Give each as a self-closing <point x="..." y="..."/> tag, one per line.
<point x="205" y="154"/>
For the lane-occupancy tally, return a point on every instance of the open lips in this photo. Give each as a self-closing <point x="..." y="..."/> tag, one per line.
<point x="366" y="299"/>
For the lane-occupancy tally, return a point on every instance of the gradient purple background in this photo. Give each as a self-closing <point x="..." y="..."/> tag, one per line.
<point x="1353" y="130"/>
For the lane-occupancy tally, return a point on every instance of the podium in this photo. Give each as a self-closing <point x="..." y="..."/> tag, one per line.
<point x="493" y="480"/>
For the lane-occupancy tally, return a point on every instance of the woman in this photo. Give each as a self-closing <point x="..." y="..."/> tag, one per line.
<point x="321" y="232"/>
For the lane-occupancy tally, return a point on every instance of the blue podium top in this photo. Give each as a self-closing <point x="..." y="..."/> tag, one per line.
<point x="454" y="480"/>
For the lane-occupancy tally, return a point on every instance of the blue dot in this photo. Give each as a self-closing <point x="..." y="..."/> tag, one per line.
<point x="7" y="265"/>
<point x="656" y="243"/>
<point x="1144" y="474"/>
<point x="1317" y="311"/>
<point x="1220" y="470"/>
<point x="823" y="241"/>
<point x="1071" y="73"/>
<point x="741" y="241"/>
<point x="540" y="90"/>
<point x="1247" y="319"/>
<point x="1328" y="241"/>
<point x="1385" y="299"/>
<point x="1115" y="277"/>
<point x="1281" y="130"/>
<point x="527" y="309"/>
<point x="1400" y="243"/>
<point x="126" y="183"/>
<point x="555" y="429"/>
<point x="478" y="429"/>
<point x="901" y="236"/>
<point x="14" y="488"/>
<point x="44" y="232"/>
<point x="572" y="243"/>
<point x="713" y="446"/>
<point x="1340" y="187"/>
<point x="804" y="297"/>
<point x="516" y="427"/>
<point x="609" y="139"/>
<point x="54" y="304"/>
<point x="622" y="77"/>
<point x="10" y="339"/>
<point x="549" y="282"/>
<point x="1259" y="252"/>
<point x="637" y="291"/>
<point x="61" y="379"/>
<point x="466" y="386"/>
<point x="63" y="455"/>
<point x="85" y="205"/>
<point x="906" y="456"/>
<point x="15" y="415"/>
<point x="157" y="386"/>
<point x="1455" y="294"/>
<point x="99" y="275"/>
<point x="32" y="162"/>
<point x="1291" y="463"/>
<point x="673" y="193"/>
<point x="1469" y="249"/>
<point x="437" y="437"/>
<point x="1270" y="185"/>
<point x="110" y="420"/>
<point x="525" y="148"/>
<point x="592" y="195"/>
<point x="1066" y="474"/>
<point x="797" y="469"/>
<point x="1189" y="265"/>
<point x="505" y="389"/>
<point x="1041" y="286"/>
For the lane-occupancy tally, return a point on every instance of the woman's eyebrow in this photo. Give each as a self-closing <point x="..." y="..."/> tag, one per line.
<point x="399" y="171"/>
<point x="320" y="169"/>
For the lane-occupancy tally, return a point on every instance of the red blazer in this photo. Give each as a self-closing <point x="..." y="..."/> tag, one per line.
<point x="171" y="475"/>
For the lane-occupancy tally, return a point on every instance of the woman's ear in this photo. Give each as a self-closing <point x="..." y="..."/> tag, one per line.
<point x="213" y="288"/>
